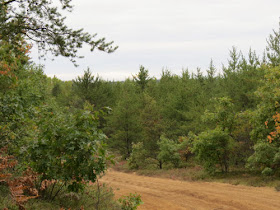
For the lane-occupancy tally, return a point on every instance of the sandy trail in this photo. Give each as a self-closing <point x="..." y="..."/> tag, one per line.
<point x="158" y="193"/>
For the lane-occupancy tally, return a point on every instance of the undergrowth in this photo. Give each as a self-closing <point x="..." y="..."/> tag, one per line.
<point x="236" y="176"/>
<point x="24" y="191"/>
<point x="96" y="196"/>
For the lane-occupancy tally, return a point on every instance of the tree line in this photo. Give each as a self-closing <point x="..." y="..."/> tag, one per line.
<point x="223" y="119"/>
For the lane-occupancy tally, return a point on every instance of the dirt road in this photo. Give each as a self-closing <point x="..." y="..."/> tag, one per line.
<point x="158" y="193"/>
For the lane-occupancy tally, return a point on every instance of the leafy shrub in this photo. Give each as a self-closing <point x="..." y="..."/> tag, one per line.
<point x="70" y="148"/>
<point x="94" y="197"/>
<point x="263" y="156"/>
<point x="266" y="123"/>
<point x="138" y="156"/>
<point x="168" y="151"/>
<point x="213" y="148"/>
<point x="97" y="196"/>
<point x="267" y="171"/>
<point x="130" y="202"/>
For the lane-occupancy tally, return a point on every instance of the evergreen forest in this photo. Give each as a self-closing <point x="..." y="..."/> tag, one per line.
<point x="223" y="120"/>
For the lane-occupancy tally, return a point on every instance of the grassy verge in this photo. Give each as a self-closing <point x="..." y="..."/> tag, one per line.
<point x="196" y="173"/>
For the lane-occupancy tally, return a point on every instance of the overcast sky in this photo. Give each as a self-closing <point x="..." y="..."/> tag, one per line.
<point x="172" y="34"/>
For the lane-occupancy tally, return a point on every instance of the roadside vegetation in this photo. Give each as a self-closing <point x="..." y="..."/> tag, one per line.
<point x="222" y="125"/>
<point x="219" y="126"/>
<point x="196" y="173"/>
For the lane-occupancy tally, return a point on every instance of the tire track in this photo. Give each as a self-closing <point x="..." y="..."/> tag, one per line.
<point x="159" y="193"/>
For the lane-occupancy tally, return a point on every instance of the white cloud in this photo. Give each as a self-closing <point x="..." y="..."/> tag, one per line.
<point x="167" y="33"/>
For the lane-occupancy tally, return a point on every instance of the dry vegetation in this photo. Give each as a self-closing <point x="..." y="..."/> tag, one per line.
<point x="196" y="173"/>
<point x="161" y="193"/>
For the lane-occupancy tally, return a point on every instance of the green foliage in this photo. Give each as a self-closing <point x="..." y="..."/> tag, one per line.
<point x="46" y="126"/>
<point x="267" y="172"/>
<point x="130" y="202"/>
<point x="17" y="108"/>
<point x="138" y="157"/>
<point x="96" y="196"/>
<point x="213" y="147"/>
<point x="263" y="156"/>
<point x="56" y="91"/>
<point x="41" y="22"/>
<point x="265" y="122"/>
<point x="142" y="78"/>
<point x="68" y="147"/>
<point x="62" y="146"/>
<point x="211" y="71"/>
<point x="92" y="89"/>
<point x="172" y="102"/>
<point x="84" y="85"/>
<point x="273" y="48"/>
<point x="241" y="134"/>
<point x="176" y="105"/>
<point x="268" y="96"/>
<point x="151" y="126"/>
<point x="169" y="151"/>
<point x="123" y="125"/>
<point x="222" y="116"/>
<point x="241" y="79"/>
<point x="12" y="64"/>
<point x="185" y="147"/>
<point x="216" y="146"/>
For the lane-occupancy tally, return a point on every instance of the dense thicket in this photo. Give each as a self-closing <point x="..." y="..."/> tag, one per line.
<point x="223" y="119"/>
<point x="48" y="143"/>
<point x="48" y="138"/>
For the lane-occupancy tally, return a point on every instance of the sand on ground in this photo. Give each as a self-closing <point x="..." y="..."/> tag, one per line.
<point x="160" y="193"/>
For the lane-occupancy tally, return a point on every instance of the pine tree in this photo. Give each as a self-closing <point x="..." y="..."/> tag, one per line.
<point x="142" y="78"/>
<point x="41" y="22"/>
<point x="273" y="48"/>
<point x="151" y="121"/>
<point x="123" y="125"/>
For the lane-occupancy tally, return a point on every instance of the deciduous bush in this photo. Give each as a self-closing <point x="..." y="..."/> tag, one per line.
<point x="138" y="156"/>
<point x="262" y="157"/>
<point x="130" y="202"/>
<point x="69" y="148"/>
<point x="213" y="147"/>
<point x="169" y="151"/>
